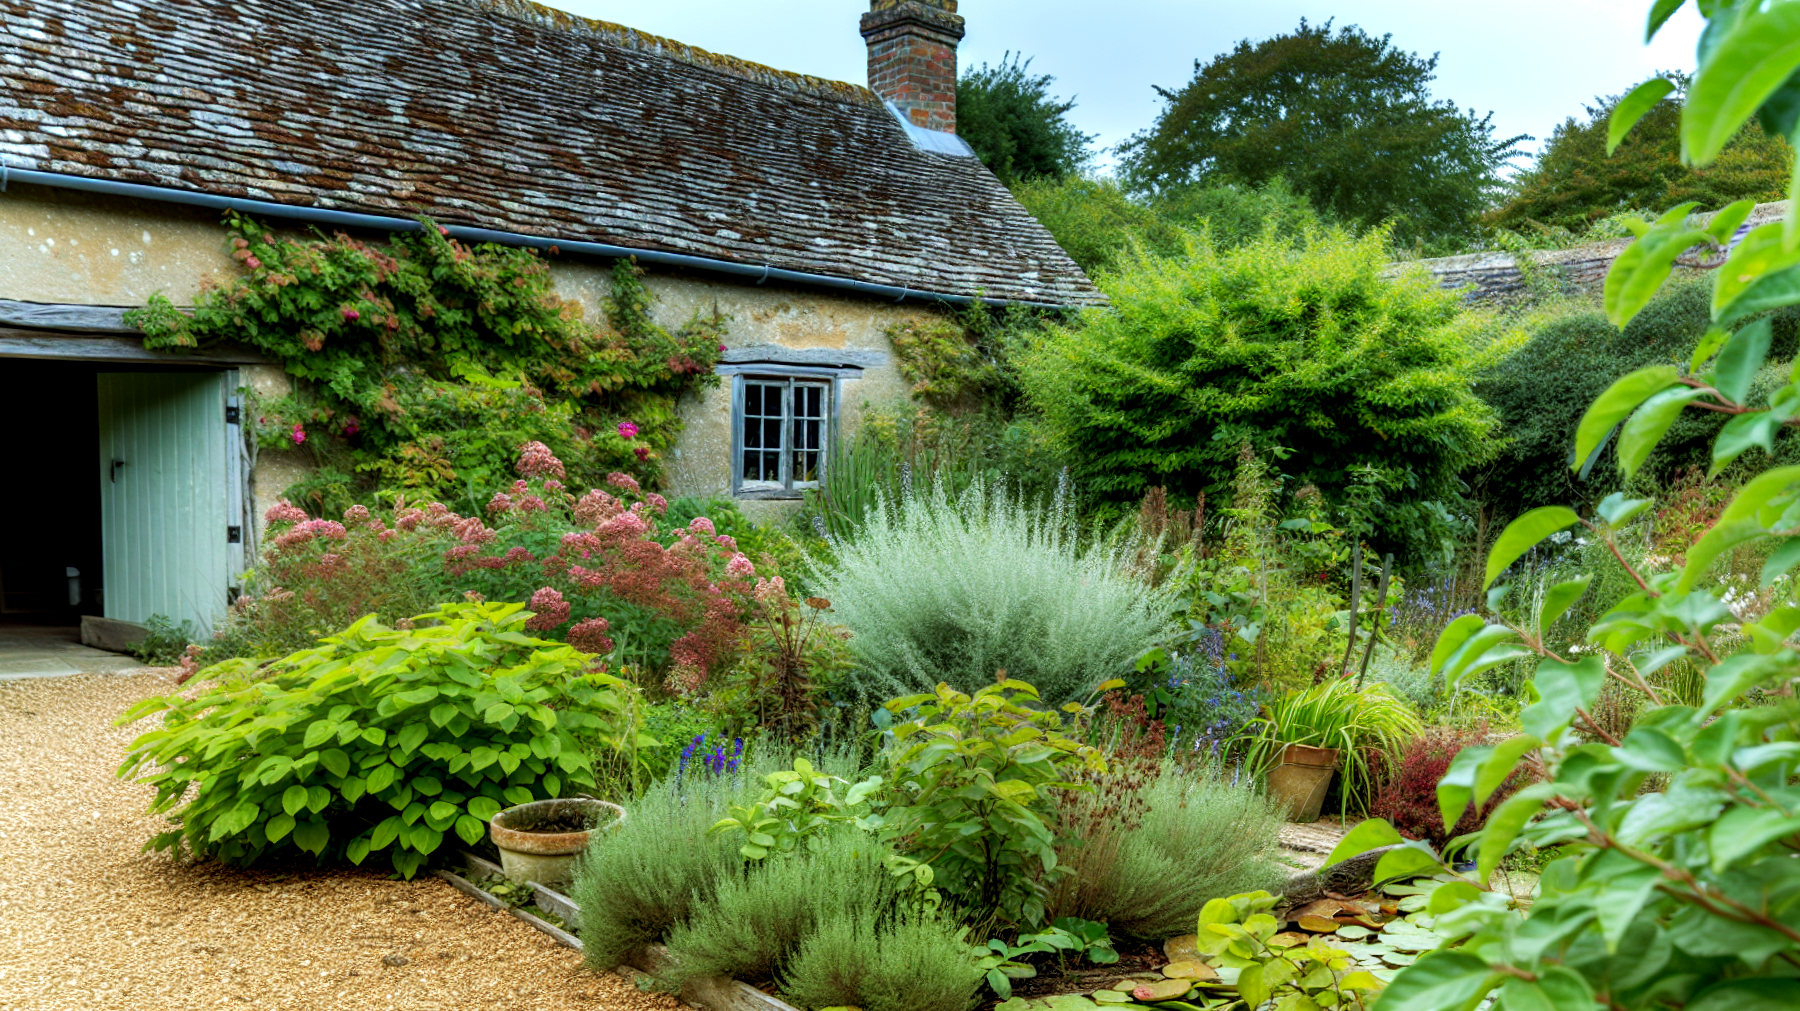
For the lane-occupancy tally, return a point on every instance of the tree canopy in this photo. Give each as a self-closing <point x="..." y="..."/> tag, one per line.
<point x="1017" y="128"/>
<point x="1347" y="119"/>
<point x="1574" y="183"/>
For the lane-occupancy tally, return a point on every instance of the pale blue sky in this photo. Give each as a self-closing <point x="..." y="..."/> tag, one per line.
<point x="1533" y="62"/>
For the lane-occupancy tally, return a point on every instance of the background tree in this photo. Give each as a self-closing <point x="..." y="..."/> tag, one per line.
<point x="1574" y="183"/>
<point x="1345" y="118"/>
<point x="1017" y="128"/>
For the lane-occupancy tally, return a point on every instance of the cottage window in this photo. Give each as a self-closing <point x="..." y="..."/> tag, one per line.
<point x="780" y="431"/>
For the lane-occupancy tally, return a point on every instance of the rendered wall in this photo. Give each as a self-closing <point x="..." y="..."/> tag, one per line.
<point x="68" y="247"/>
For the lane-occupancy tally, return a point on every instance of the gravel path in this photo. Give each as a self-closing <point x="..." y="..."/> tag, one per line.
<point x="88" y="921"/>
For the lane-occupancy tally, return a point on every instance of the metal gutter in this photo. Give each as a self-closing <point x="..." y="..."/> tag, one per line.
<point x="351" y="219"/>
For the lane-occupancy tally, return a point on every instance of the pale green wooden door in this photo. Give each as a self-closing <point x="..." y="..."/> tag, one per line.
<point x="165" y="495"/>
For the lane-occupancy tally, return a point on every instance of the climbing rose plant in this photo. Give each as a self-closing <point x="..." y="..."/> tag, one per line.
<point x="430" y="359"/>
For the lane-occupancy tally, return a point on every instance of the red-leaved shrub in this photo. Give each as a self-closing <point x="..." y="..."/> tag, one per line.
<point x="1408" y="799"/>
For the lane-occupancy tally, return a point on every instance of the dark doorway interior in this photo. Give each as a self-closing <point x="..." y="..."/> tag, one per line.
<point x="49" y="492"/>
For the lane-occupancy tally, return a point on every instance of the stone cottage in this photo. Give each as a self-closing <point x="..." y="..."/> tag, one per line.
<point x="815" y="214"/>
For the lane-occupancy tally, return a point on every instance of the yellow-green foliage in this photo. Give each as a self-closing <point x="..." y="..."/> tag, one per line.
<point x="1310" y="349"/>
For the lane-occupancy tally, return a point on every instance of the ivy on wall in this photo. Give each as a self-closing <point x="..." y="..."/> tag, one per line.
<point x="427" y="362"/>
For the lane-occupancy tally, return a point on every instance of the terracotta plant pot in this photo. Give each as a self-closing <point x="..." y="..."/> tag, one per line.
<point x="1300" y="778"/>
<point x="539" y="841"/>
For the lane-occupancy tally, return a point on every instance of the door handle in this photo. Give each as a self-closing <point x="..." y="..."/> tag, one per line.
<point x="116" y="464"/>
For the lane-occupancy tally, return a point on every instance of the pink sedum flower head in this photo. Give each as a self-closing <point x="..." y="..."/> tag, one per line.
<point x="536" y="460"/>
<point x="284" y="512"/>
<point x="549" y="610"/>
<point x="590" y="636"/>
<point x="740" y="567"/>
<point x="627" y="430"/>
<point x="702" y="526"/>
<point x="356" y="514"/>
<point x="623" y="481"/>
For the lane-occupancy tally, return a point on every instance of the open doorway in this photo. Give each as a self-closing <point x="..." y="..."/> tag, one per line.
<point x="50" y="543"/>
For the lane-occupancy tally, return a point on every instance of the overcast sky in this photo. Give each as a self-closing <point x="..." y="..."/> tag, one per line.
<point x="1532" y="62"/>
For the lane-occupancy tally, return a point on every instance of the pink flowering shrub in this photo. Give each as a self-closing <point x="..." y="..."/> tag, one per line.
<point x="597" y="570"/>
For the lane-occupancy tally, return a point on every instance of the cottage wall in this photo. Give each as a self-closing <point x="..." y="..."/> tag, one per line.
<point x="61" y="246"/>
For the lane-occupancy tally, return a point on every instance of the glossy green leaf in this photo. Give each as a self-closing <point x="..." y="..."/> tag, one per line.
<point x="1367" y="835"/>
<point x="1754" y="59"/>
<point x="1505" y="824"/>
<point x="1648" y="749"/>
<point x="1740" y="359"/>
<point x="1742" y="831"/>
<point x="1452" y="639"/>
<point x="1559" y="598"/>
<point x="312" y="835"/>
<point x="1498" y="767"/>
<point x="1556" y="988"/>
<point x="1647" y="425"/>
<point x="1456" y="788"/>
<point x="334" y="761"/>
<point x="1616" y="404"/>
<point x="1660" y="13"/>
<point x="358" y="850"/>
<point x="293" y="799"/>
<point x="1523" y="533"/>
<point x="1562" y="688"/>
<point x="1441" y="981"/>
<point x="1411" y="860"/>
<point x="1709" y="345"/>
<point x="1781" y="562"/>
<point x="1769" y="291"/>
<point x="1632" y="108"/>
<point x="1641" y="269"/>
<point x="278" y="827"/>
<point x="1763" y="993"/>
<point x="1743" y="433"/>
<point x="1738" y="523"/>
<point x="1761" y="253"/>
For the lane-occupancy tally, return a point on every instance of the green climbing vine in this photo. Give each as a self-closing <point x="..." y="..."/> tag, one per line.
<point x="426" y="362"/>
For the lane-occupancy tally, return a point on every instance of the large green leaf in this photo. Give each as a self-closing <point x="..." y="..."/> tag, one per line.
<point x="1616" y="404"/>
<point x="1452" y="639"/>
<point x="1746" y="431"/>
<point x="1649" y="423"/>
<point x="1505" y="824"/>
<point x="1523" y="533"/>
<point x="1761" y="253"/>
<point x="1742" y="356"/>
<point x="1641" y="269"/>
<point x="1659" y="14"/>
<point x="1441" y="981"/>
<point x="1559" y="598"/>
<point x="1770" y="291"/>
<point x="1562" y="688"/>
<point x="1632" y="108"/>
<point x="1762" y="993"/>
<point x="1367" y="835"/>
<point x="1738" y="523"/>
<point x="1754" y="59"/>
<point x="1556" y="988"/>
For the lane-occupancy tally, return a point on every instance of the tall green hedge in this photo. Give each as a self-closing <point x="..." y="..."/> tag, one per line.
<point x="1309" y="348"/>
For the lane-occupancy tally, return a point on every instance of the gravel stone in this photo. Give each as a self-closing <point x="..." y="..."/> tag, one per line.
<point x="87" y="920"/>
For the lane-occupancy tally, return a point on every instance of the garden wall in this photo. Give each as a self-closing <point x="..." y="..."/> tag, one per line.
<point x="1495" y="276"/>
<point x="59" y="246"/>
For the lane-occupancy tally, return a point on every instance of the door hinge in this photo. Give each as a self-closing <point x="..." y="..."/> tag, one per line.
<point x="234" y="535"/>
<point x="232" y="415"/>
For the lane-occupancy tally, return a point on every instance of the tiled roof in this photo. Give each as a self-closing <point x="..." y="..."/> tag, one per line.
<point x="505" y="115"/>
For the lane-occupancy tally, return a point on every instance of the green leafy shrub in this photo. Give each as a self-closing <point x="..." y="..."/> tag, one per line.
<point x="1309" y="349"/>
<point x="1369" y="727"/>
<point x="1540" y="391"/>
<point x="382" y="739"/>
<point x="903" y="962"/>
<point x="968" y="782"/>
<point x="941" y="590"/>
<point x="1145" y="852"/>
<point x="430" y="361"/>
<point x="165" y="641"/>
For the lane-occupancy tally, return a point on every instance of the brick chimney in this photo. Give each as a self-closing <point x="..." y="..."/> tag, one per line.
<point x="912" y="58"/>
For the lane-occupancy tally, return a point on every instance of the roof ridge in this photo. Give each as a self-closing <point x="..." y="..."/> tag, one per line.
<point x="550" y="17"/>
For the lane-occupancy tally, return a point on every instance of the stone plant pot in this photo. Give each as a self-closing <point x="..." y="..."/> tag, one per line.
<point x="539" y="841"/>
<point x="1300" y="778"/>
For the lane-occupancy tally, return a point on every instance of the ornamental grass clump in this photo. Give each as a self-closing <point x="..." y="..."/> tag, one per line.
<point x="1368" y="727"/>
<point x="384" y="740"/>
<point x="1148" y="846"/>
<point x="903" y="962"/>
<point x="936" y="589"/>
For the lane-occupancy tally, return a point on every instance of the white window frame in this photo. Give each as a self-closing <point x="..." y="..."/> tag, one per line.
<point x="787" y="378"/>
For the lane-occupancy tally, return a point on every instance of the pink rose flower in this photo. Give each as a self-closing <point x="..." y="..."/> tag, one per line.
<point x="299" y="435"/>
<point x="627" y="430"/>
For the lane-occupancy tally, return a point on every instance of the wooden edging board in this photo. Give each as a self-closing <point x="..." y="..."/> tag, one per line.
<point x="709" y="993"/>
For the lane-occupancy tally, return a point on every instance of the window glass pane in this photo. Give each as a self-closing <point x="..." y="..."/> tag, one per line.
<point x="771" y="433"/>
<point x="752" y="399"/>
